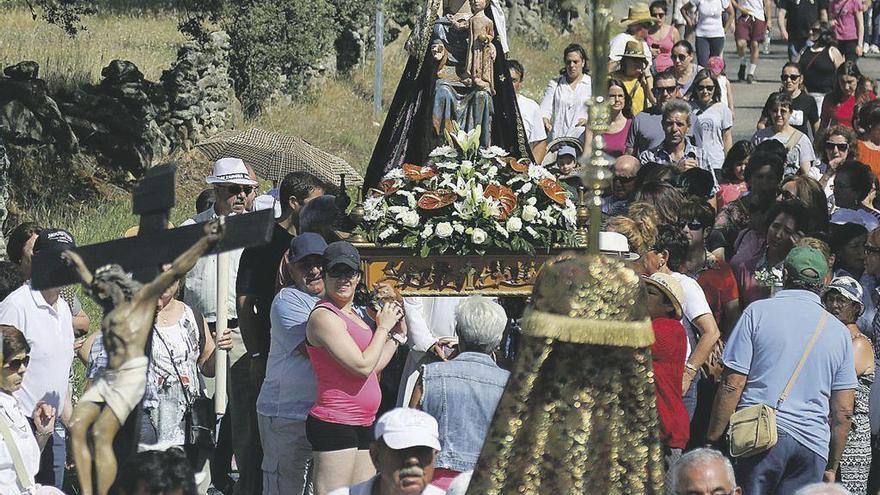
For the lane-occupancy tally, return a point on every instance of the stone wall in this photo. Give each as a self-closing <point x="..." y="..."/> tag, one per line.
<point x="125" y="121"/>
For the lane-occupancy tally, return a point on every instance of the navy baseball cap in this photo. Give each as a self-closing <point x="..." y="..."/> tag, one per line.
<point x="306" y="244"/>
<point x="341" y="253"/>
<point x="54" y="240"/>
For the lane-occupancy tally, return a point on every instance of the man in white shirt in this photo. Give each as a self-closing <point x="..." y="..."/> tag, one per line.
<point x="45" y="320"/>
<point x="637" y="24"/>
<point x="406" y="446"/>
<point x="233" y="193"/>
<point x="530" y="112"/>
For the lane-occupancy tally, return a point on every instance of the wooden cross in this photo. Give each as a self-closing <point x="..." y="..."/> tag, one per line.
<point x="144" y="254"/>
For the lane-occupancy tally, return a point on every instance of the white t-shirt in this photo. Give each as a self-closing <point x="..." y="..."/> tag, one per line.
<point x="530" y="112"/>
<point x="754" y="7"/>
<point x="709" y="124"/>
<point x="693" y="306"/>
<point x="799" y="153"/>
<point x="49" y="332"/>
<point x="709" y="12"/>
<point x="618" y="46"/>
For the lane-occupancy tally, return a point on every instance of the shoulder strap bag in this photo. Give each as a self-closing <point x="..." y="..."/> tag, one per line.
<point x="21" y="473"/>
<point x="199" y="422"/>
<point x="753" y="429"/>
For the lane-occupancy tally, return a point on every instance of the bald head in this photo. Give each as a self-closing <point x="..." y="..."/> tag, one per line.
<point x="625" y="169"/>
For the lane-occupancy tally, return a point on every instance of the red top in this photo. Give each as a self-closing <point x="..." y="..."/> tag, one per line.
<point x="668" y="352"/>
<point x="719" y="285"/>
<point x="343" y="397"/>
<point x="841" y="114"/>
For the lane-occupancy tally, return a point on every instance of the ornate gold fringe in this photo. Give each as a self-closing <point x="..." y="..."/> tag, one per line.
<point x="537" y="323"/>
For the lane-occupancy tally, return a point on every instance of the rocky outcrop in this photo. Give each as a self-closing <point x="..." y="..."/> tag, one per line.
<point x="126" y="121"/>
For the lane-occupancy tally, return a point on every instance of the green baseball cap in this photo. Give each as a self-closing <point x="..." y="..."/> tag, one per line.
<point x="806" y="264"/>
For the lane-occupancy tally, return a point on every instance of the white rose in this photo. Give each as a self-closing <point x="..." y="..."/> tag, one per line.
<point x="479" y="236"/>
<point x="458" y="227"/>
<point x="529" y="213"/>
<point x="410" y="219"/>
<point x="525" y="188"/>
<point x="427" y="231"/>
<point x="514" y="224"/>
<point x="532" y="201"/>
<point x="444" y="230"/>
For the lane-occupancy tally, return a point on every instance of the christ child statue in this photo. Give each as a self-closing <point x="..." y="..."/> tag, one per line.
<point x="481" y="52"/>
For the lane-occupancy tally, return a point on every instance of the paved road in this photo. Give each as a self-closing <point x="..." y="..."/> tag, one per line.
<point x="749" y="98"/>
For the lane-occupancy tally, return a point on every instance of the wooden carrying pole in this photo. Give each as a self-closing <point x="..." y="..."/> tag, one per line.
<point x="222" y="319"/>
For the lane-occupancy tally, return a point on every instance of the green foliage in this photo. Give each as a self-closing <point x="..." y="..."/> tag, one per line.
<point x="277" y="44"/>
<point x="66" y="14"/>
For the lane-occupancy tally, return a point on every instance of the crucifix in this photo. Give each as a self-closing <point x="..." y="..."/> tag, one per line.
<point x="123" y="276"/>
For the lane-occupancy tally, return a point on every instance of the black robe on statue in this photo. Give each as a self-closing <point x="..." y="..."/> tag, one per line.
<point x="407" y="135"/>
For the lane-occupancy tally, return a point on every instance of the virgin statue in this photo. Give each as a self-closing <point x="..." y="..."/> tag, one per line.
<point x="456" y="73"/>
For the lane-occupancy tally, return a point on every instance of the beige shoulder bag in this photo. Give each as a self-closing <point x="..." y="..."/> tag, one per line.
<point x="753" y="429"/>
<point x="21" y="473"/>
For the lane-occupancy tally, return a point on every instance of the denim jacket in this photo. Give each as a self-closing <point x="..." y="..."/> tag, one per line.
<point x="462" y="395"/>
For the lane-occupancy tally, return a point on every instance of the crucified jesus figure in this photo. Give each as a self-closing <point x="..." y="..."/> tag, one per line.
<point x="129" y="311"/>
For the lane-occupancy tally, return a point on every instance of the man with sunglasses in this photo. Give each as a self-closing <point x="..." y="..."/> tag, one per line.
<point x="233" y="185"/>
<point x="623" y="185"/>
<point x="646" y="131"/>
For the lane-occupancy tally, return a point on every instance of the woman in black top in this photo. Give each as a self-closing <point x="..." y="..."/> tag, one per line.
<point x="804" y="112"/>
<point x="820" y="61"/>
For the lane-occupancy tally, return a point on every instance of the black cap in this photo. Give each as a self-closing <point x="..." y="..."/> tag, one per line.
<point x="341" y="253"/>
<point x="54" y="240"/>
<point x="306" y="244"/>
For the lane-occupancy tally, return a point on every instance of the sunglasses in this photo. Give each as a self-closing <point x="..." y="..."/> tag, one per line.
<point x="703" y="87"/>
<point x="871" y="249"/>
<point x="342" y="272"/>
<point x="659" y="15"/>
<point x="679" y="57"/>
<point x="624" y="180"/>
<point x="790" y="77"/>
<point x="692" y="225"/>
<point x="839" y="146"/>
<point x="665" y="89"/>
<point x="236" y="189"/>
<point x="16" y="364"/>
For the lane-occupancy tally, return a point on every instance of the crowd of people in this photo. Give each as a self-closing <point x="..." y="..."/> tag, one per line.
<point x="760" y="260"/>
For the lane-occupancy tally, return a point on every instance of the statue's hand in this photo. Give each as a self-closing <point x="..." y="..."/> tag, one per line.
<point x="460" y="21"/>
<point x="492" y="51"/>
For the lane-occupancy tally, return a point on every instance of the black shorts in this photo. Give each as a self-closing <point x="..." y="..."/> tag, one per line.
<point x="327" y="437"/>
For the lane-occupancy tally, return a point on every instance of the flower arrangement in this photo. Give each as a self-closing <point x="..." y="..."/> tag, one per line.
<point x="467" y="199"/>
<point x="770" y="277"/>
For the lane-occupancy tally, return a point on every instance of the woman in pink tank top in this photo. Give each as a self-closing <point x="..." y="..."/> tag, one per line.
<point x="662" y="38"/>
<point x="346" y="354"/>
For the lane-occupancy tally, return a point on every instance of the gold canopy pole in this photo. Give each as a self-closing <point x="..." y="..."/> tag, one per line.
<point x="597" y="173"/>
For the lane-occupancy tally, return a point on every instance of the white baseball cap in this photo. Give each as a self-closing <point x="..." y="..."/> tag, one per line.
<point x="616" y="244"/>
<point x="230" y="171"/>
<point x="403" y="427"/>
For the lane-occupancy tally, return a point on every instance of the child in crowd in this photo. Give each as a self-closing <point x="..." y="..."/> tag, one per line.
<point x="668" y="353"/>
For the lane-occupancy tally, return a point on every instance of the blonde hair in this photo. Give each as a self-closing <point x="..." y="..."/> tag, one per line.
<point x="640" y="231"/>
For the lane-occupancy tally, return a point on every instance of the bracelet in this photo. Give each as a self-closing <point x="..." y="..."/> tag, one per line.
<point x="690" y="366"/>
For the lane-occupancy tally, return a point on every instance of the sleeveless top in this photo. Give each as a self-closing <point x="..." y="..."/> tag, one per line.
<point x="663" y="60"/>
<point x="462" y="395"/>
<point x="343" y="397"/>
<point x="615" y="143"/>
<point x="818" y="70"/>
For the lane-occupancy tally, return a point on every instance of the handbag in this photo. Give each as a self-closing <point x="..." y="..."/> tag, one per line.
<point x="753" y="429"/>
<point x="199" y="422"/>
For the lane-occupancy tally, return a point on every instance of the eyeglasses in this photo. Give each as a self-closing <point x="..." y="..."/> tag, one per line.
<point x="679" y="57"/>
<point x="705" y="87"/>
<point x="16" y="364"/>
<point x="665" y="89"/>
<point x="839" y="146"/>
<point x="343" y="272"/>
<point x="790" y="77"/>
<point x="236" y="189"/>
<point x="869" y="249"/>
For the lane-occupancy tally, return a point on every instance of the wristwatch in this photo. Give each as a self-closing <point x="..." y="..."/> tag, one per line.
<point x="399" y="338"/>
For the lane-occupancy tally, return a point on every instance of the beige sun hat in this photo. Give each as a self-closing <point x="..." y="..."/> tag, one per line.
<point x="638" y="13"/>
<point x="634" y="49"/>
<point x="670" y="287"/>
